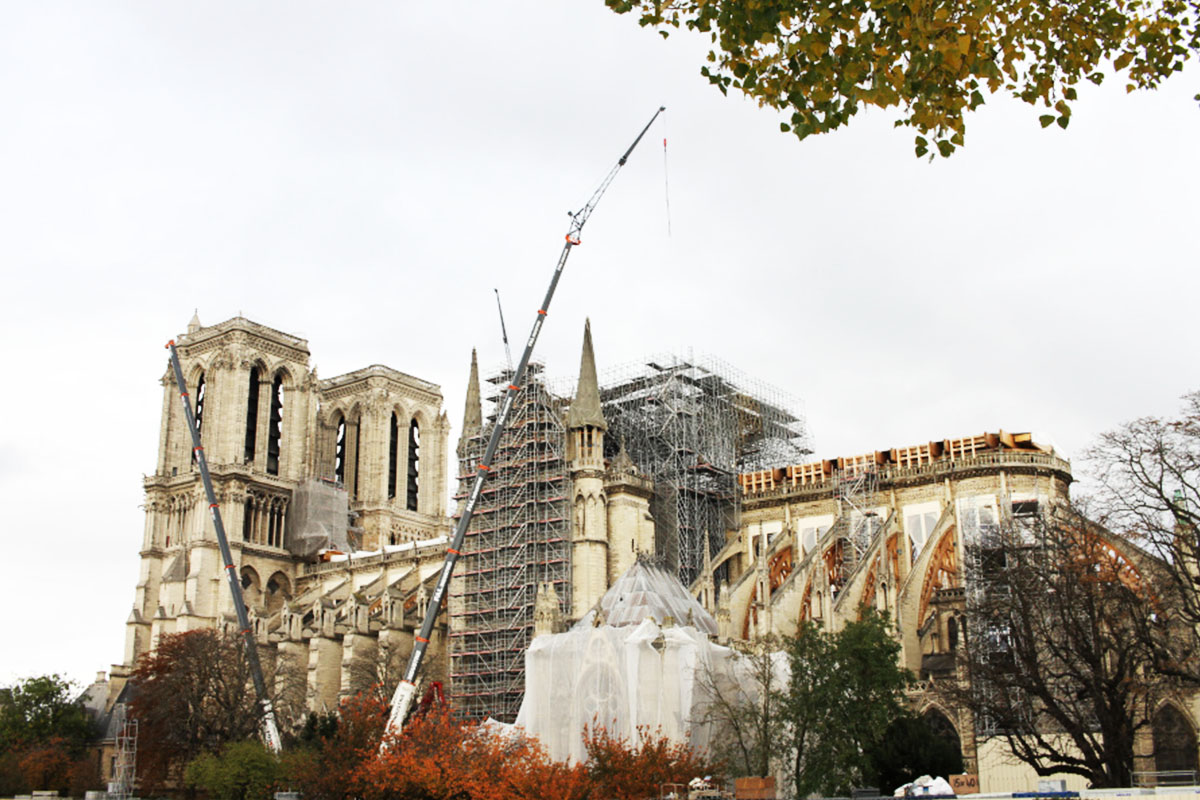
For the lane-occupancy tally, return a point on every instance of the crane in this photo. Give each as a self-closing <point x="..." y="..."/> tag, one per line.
<point x="403" y="697"/>
<point x="270" y="730"/>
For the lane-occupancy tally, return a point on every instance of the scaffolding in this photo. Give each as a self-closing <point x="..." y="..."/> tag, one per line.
<point x="125" y="758"/>
<point x="856" y="483"/>
<point x="692" y="425"/>
<point x="519" y="538"/>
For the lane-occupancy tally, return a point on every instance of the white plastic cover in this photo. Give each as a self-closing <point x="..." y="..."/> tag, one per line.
<point x="648" y="591"/>
<point x="630" y="671"/>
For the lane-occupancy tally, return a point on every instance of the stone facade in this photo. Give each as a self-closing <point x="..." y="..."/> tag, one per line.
<point x="373" y="441"/>
<point x="821" y="541"/>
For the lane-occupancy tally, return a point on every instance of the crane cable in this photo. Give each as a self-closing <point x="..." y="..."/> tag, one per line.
<point x="666" y="183"/>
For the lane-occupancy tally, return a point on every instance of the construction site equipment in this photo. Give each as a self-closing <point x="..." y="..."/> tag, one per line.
<point x="689" y="424"/>
<point x="270" y="731"/>
<point x="402" y="699"/>
<point x="692" y="425"/>
<point x="519" y="539"/>
<point x="124" y="768"/>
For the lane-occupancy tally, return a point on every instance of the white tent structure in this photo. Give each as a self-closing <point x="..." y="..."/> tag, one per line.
<point x="641" y="657"/>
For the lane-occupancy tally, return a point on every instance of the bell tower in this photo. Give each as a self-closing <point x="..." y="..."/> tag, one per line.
<point x="254" y="399"/>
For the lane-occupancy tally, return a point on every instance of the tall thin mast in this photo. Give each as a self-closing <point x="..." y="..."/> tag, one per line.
<point x="402" y="699"/>
<point x="270" y="731"/>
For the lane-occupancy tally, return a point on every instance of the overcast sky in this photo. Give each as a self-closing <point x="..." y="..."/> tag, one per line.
<point x="364" y="174"/>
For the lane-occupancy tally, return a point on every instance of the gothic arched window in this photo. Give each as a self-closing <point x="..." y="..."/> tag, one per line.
<point x="200" y="394"/>
<point x="251" y="416"/>
<point x="1174" y="741"/>
<point x="339" y="452"/>
<point x="393" y="444"/>
<point x="414" y="464"/>
<point x="275" y="430"/>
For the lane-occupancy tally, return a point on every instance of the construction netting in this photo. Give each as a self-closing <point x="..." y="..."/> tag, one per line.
<point x="642" y="660"/>
<point x="317" y="519"/>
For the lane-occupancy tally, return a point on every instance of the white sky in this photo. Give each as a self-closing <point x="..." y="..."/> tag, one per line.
<point x="363" y="174"/>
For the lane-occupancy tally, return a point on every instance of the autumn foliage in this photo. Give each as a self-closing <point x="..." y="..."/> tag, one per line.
<point x="333" y="768"/>
<point x="441" y="758"/>
<point x="192" y="695"/>
<point x="624" y="771"/>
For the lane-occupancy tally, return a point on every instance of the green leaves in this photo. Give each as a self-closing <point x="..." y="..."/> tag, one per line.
<point x="823" y="60"/>
<point x="845" y="690"/>
<point x="38" y="710"/>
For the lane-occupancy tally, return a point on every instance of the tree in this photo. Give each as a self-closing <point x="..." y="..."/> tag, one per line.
<point x="437" y="757"/>
<point x="46" y="765"/>
<point x="44" y="730"/>
<point x="821" y="61"/>
<point x="1148" y="476"/>
<point x="242" y="771"/>
<point x="743" y="709"/>
<point x="1061" y="659"/>
<point x="625" y="771"/>
<point x="332" y="769"/>
<point x="192" y="695"/>
<point x="41" y="709"/>
<point x="845" y="689"/>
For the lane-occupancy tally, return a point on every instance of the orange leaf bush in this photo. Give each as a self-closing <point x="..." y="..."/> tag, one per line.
<point x="438" y="757"/>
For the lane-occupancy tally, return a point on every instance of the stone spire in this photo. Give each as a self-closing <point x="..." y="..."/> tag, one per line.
<point x="623" y="463"/>
<point x="194" y="324"/>
<point x="585" y="408"/>
<point x="473" y="412"/>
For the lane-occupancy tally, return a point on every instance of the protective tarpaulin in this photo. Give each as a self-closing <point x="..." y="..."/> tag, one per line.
<point x="318" y="518"/>
<point x="621" y="667"/>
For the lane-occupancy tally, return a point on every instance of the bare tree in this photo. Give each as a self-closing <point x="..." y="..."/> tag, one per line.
<point x="192" y="694"/>
<point x="1064" y="631"/>
<point x="742" y="707"/>
<point x="1148" y="472"/>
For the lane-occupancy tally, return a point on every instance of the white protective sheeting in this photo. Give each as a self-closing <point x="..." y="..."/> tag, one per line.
<point x="627" y="672"/>
<point x="647" y="591"/>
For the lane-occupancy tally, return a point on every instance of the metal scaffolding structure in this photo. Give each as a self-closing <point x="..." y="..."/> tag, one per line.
<point x="856" y="483"/>
<point x="692" y="425"/>
<point x="125" y="760"/>
<point x="519" y="538"/>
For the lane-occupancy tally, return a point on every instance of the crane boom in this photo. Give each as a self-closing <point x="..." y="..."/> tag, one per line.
<point x="402" y="699"/>
<point x="270" y="730"/>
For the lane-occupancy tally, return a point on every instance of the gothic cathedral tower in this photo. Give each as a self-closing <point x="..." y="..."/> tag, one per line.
<point x="299" y="465"/>
<point x="254" y="399"/>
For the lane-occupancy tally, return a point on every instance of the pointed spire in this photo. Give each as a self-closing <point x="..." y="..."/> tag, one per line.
<point x="472" y="412"/>
<point x="623" y="463"/>
<point x="194" y="324"/>
<point x="585" y="408"/>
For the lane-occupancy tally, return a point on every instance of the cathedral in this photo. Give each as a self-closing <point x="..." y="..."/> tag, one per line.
<point x="335" y="494"/>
